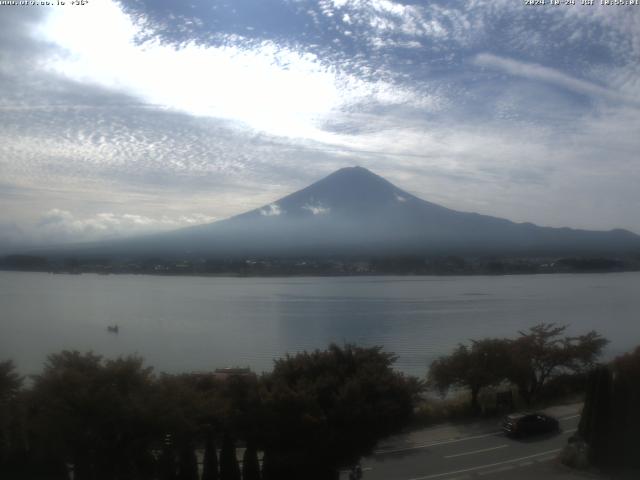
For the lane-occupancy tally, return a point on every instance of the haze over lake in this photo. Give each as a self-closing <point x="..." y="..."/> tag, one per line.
<point x="198" y="323"/>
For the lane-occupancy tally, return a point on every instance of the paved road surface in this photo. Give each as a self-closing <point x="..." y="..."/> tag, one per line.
<point x="475" y="451"/>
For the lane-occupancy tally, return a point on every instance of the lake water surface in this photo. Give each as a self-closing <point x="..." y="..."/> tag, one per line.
<point x="199" y="323"/>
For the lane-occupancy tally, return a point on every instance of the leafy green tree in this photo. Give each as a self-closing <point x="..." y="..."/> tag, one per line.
<point x="11" y="418"/>
<point x="210" y="461"/>
<point x="168" y="467"/>
<point x="267" y="471"/>
<point x="542" y="352"/>
<point x="482" y="364"/>
<point x="178" y="406"/>
<point x="229" y="468"/>
<point x="250" y="463"/>
<point x="528" y="362"/>
<point x="595" y="421"/>
<point x="10" y="381"/>
<point x="325" y="409"/>
<point x="95" y="414"/>
<point x="188" y="463"/>
<point x="610" y="419"/>
<point x="239" y="406"/>
<point x="625" y="423"/>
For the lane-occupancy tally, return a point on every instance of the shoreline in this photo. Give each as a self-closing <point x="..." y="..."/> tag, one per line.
<point x="324" y="275"/>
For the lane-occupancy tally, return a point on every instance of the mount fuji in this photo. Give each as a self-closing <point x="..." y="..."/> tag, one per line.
<point x="356" y="212"/>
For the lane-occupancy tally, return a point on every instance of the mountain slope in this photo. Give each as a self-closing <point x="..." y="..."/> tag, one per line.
<point x="355" y="212"/>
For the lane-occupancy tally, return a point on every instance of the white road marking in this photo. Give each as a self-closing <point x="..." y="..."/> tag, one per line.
<point x="482" y="467"/>
<point x="570" y="417"/>
<point x="545" y="459"/>
<point x="364" y="469"/>
<point x="497" y="470"/>
<point x="476" y="451"/>
<point x="435" y="444"/>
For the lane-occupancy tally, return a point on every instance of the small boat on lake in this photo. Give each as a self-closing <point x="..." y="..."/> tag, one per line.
<point x="112" y="328"/>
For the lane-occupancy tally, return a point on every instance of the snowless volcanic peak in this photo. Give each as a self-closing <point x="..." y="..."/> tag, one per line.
<point x="351" y="190"/>
<point x="356" y="212"/>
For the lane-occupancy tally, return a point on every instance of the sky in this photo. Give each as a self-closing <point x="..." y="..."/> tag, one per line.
<point x="134" y="116"/>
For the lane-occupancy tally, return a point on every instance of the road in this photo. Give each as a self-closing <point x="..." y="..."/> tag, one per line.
<point x="471" y="451"/>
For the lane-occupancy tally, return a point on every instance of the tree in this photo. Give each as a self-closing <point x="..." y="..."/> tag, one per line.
<point x="229" y="468"/>
<point x="325" y="409"/>
<point x="250" y="464"/>
<point x="625" y="423"/>
<point x="595" y="421"/>
<point x="95" y="414"/>
<point x="210" y="461"/>
<point x="528" y="361"/>
<point x="239" y="406"/>
<point x="540" y="353"/>
<point x="10" y="381"/>
<point x="480" y="365"/>
<point x="11" y="429"/>
<point x="167" y="465"/>
<point x="188" y="463"/>
<point x="268" y="472"/>
<point x="610" y="418"/>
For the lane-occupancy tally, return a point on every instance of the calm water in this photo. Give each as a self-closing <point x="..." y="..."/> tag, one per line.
<point x="190" y="323"/>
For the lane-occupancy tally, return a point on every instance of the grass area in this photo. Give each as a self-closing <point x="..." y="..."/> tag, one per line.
<point x="456" y="406"/>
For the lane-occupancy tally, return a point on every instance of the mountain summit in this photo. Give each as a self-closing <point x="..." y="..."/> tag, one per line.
<point x="356" y="212"/>
<point x="348" y="191"/>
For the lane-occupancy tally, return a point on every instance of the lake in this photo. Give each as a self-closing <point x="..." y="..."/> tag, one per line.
<point x="200" y="323"/>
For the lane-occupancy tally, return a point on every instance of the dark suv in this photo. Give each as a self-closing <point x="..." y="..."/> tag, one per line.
<point x="529" y="424"/>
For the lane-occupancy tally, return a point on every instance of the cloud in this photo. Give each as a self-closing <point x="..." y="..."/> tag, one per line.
<point x="534" y="71"/>
<point x="272" y="210"/>
<point x="385" y="16"/>
<point x="316" y="209"/>
<point x="60" y="226"/>
<point x="265" y="85"/>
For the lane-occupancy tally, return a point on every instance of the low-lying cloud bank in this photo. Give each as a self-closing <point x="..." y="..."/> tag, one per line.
<point x="62" y="226"/>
